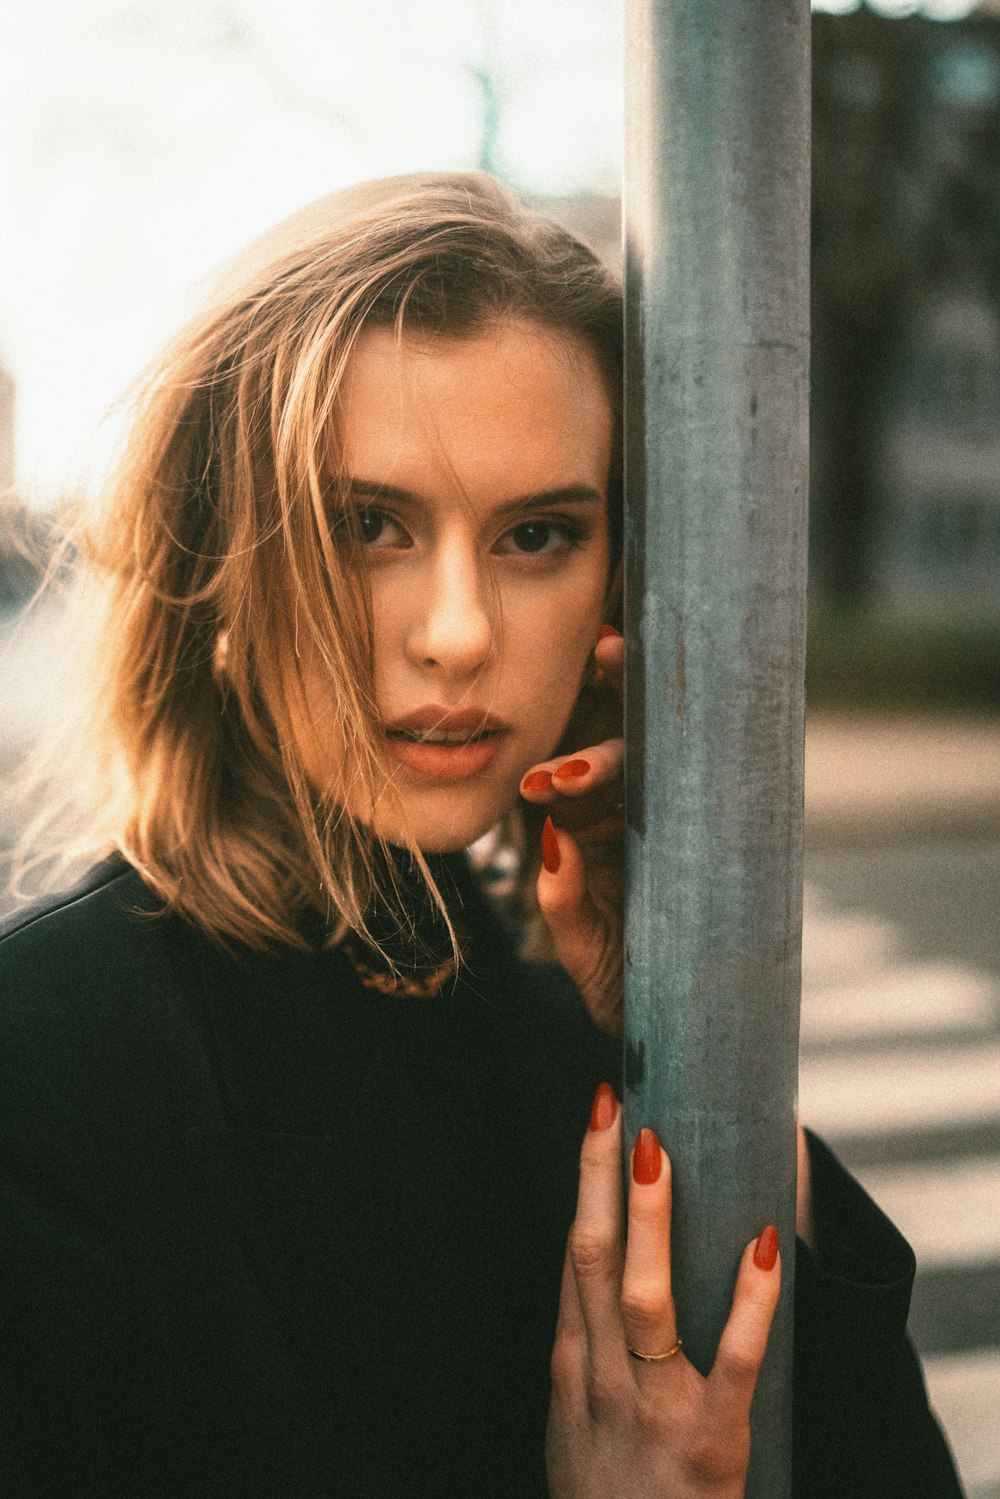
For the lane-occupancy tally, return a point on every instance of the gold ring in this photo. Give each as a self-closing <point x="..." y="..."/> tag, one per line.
<point x="657" y="1358"/>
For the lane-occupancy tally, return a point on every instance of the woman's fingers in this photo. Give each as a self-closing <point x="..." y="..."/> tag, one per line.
<point x="579" y="928"/>
<point x="595" y="1240"/>
<point x="609" y="654"/>
<point x="587" y="770"/>
<point x="741" y="1350"/>
<point x="580" y="774"/>
<point x="647" y="1297"/>
<point x="564" y="892"/>
<point x="580" y="883"/>
<point x="652" y="1426"/>
<point x="569" y="1351"/>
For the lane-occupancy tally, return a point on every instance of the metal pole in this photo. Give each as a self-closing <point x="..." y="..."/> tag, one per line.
<point x="717" y="247"/>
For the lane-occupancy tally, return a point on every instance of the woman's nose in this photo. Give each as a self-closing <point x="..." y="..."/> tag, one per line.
<point x="452" y="626"/>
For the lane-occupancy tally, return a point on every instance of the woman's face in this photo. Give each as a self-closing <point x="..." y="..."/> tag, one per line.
<point x="478" y="468"/>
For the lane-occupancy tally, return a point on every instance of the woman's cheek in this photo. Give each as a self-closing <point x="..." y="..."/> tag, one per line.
<point x="562" y="696"/>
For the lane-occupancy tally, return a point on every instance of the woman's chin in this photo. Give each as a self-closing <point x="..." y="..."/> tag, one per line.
<point x="445" y="819"/>
<point x="440" y="837"/>
<point x="444" y="842"/>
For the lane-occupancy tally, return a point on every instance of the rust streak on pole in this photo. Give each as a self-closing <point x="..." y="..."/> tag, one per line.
<point x="717" y="311"/>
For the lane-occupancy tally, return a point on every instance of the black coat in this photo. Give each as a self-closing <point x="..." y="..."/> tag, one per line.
<point x="268" y="1231"/>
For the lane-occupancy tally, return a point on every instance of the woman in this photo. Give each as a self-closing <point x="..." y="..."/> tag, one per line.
<point x="293" y="1093"/>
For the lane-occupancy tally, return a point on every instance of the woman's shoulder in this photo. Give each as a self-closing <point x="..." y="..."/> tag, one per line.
<point x="82" y="933"/>
<point x="81" y="974"/>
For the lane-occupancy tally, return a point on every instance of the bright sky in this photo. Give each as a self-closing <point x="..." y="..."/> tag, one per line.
<point x="143" y="141"/>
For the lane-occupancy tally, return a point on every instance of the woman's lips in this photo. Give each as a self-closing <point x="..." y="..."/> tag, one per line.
<point x="446" y="762"/>
<point x="481" y="736"/>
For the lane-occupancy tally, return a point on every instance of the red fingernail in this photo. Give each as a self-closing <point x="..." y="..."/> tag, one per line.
<point x="608" y="632"/>
<point x="604" y="1108"/>
<point x="550" y="847"/>
<point x="646" y="1158"/>
<point x="765" y="1251"/>
<point x="539" y="780"/>
<point x="570" y="769"/>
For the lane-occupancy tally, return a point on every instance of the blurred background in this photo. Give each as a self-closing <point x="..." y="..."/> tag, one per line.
<point x="143" y="141"/>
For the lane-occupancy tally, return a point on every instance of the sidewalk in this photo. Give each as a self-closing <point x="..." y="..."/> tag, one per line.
<point x="901" y="1023"/>
<point x="890" y="777"/>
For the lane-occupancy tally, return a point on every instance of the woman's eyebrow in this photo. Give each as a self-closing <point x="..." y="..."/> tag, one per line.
<point x="563" y="494"/>
<point x="373" y="489"/>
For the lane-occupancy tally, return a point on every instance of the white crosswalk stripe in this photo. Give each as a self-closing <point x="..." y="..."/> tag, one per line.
<point x="893" y="1090"/>
<point x="965" y="1391"/>
<point x="911" y="999"/>
<point x="922" y="1200"/>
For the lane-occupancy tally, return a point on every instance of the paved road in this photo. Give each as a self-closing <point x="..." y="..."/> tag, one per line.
<point x="901" y="1072"/>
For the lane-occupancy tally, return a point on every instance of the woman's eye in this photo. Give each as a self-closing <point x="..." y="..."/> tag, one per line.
<point x="372" y="524"/>
<point x="537" y="537"/>
<point x="372" y="527"/>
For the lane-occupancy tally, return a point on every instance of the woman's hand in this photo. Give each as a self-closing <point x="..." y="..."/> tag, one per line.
<point x="580" y="886"/>
<point x="617" y="1425"/>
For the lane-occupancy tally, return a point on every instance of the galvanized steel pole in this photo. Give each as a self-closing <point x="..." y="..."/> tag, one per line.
<point x="717" y="254"/>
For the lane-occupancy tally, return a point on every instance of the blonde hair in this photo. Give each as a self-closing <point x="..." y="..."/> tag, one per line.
<point x="211" y="569"/>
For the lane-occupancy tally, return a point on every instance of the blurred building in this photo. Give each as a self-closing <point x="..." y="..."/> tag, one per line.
<point x="906" y="313"/>
<point x="936" y="534"/>
<point x="906" y="308"/>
